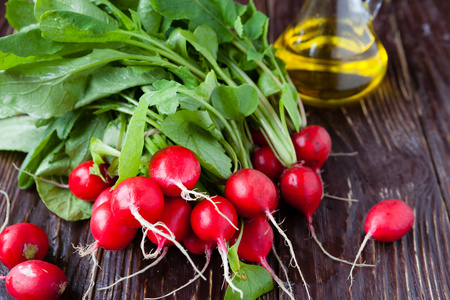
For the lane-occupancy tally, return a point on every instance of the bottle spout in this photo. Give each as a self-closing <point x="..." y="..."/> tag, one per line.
<point x="373" y="7"/>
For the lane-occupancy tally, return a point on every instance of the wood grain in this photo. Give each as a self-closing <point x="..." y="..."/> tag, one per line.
<point x="400" y="132"/>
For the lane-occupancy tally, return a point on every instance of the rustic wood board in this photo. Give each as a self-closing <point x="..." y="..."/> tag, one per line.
<point x="400" y="132"/>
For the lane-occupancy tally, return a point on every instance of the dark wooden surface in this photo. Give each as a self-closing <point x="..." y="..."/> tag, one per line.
<point x="400" y="132"/>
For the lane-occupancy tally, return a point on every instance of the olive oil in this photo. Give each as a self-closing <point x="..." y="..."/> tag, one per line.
<point x="331" y="61"/>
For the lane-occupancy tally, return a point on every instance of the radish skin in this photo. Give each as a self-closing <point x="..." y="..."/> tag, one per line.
<point x="387" y="221"/>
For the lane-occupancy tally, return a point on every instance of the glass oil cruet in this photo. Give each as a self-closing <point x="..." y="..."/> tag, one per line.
<point x="332" y="53"/>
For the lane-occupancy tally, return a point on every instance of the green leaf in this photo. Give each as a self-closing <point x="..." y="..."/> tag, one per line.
<point x="196" y="131"/>
<point x="164" y="97"/>
<point x="28" y="42"/>
<point x="254" y="27"/>
<point x="84" y="7"/>
<point x="289" y="97"/>
<point x="130" y="156"/>
<point x="10" y="60"/>
<point x="19" y="133"/>
<point x="72" y="27"/>
<point x="235" y="103"/>
<point x="64" y="124"/>
<point x="217" y="14"/>
<point x="86" y="128"/>
<point x="151" y="20"/>
<point x="34" y="158"/>
<point x="239" y="27"/>
<point x="268" y="85"/>
<point x="206" y="88"/>
<point x="253" y="280"/>
<point x="63" y="203"/>
<point x="207" y="39"/>
<point x="47" y="89"/>
<point x="109" y="80"/>
<point x="20" y="13"/>
<point x="99" y="149"/>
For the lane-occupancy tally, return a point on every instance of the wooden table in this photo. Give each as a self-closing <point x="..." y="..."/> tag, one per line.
<point x="400" y="132"/>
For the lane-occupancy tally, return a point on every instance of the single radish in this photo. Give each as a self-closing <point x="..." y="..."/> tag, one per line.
<point x="176" y="218"/>
<point x="264" y="160"/>
<point x="254" y="194"/>
<point x="255" y="244"/>
<point x="21" y="242"/>
<point x="107" y="231"/>
<point x="87" y="186"/>
<point x="140" y="192"/>
<point x="210" y="226"/>
<point x="102" y="198"/>
<point x="312" y="145"/>
<point x="387" y="221"/>
<point x="139" y="202"/>
<point x="35" y="280"/>
<point x="302" y="189"/>
<point x="174" y="169"/>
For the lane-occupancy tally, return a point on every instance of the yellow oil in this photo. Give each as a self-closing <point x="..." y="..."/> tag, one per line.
<point x="332" y="62"/>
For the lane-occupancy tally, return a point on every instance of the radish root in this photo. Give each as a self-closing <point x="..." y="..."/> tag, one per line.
<point x="61" y="185"/>
<point x="314" y="236"/>
<point x="95" y="266"/>
<point x="163" y="254"/>
<point x="86" y="250"/>
<point x="291" y="250"/>
<point x="152" y="255"/>
<point x="350" y="276"/>
<point x="187" y="195"/>
<point x="280" y="283"/>
<point x="226" y="272"/>
<point x="8" y="207"/>
<point x="146" y="224"/>
<point x="283" y="267"/>
<point x="208" y="259"/>
<point x="339" y="198"/>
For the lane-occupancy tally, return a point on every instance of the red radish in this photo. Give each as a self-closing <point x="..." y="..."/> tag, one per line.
<point x="107" y="231"/>
<point x="312" y="145"/>
<point x="21" y="242"/>
<point x="258" y="137"/>
<point x="254" y="194"/>
<point x="87" y="186"/>
<point x="176" y="218"/>
<point x="387" y="221"/>
<point x="102" y="198"/>
<point x="302" y="189"/>
<point x="209" y="225"/>
<point x="36" y="280"/>
<point x="255" y="244"/>
<point x="174" y="168"/>
<point x="264" y="160"/>
<point x="143" y="194"/>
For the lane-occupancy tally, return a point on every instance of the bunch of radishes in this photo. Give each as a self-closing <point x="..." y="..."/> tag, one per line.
<point x="23" y="247"/>
<point x="171" y="211"/>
